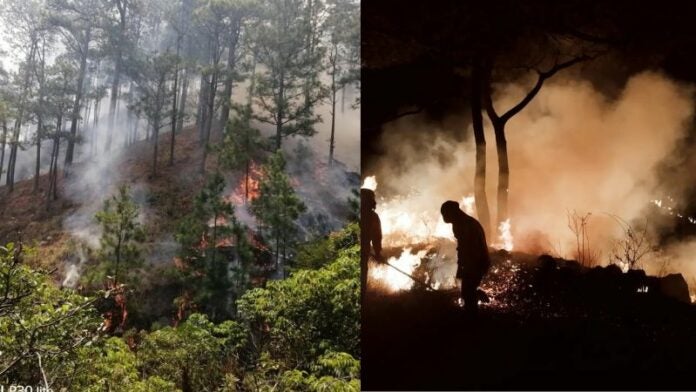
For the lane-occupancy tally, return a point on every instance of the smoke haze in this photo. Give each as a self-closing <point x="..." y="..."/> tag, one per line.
<point x="571" y="149"/>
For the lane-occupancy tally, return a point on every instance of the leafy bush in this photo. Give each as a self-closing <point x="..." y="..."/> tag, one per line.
<point x="113" y="366"/>
<point x="299" y="319"/>
<point x="315" y="254"/>
<point x="41" y="327"/>
<point x="195" y="355"/>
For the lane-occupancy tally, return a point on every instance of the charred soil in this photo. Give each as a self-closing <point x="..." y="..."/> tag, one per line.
<point x="557" y="325"/>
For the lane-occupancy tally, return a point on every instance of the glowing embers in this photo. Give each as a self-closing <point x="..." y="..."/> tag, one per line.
<point x="671" y="209"/>
<point x="413" y="221"/>
<point x="395" y="278"/>
<point x="503" y="285"/>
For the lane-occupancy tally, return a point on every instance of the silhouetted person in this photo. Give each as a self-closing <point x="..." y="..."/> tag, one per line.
<point x="473" y="259"/>
<point x="370" y="234"/>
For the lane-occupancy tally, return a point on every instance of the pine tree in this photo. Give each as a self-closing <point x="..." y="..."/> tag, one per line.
<point x="214" y="282"/>
<point x="288" y="87"/>
<point x="151" y="75"/>
<point x="277" y="207"/>
<point x="241" y="145"/>
<point x="343" y="60"/>
<point x="122" y="238"/>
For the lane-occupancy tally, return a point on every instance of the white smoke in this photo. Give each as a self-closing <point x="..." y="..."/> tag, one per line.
<point x="571" y="149"/>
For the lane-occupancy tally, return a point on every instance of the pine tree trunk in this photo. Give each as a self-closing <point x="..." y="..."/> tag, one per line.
<point x="279" y="105"/>
<point x="503" y="172"/>
<point x="112" y="103"/>
<point x="155" y="135"/>
<point x="20" y="114"/>
<point x="332" y="142"/>
<point x="200" y="113"/>
<point x="55" y="170"/>
<point x="246" y="181"/>
<point x="231" y="61"/>
<point x="95" y="123"/>
<point x="78" y="98"/>
<point x="174" y="93"/>
<point x="4" y="144"/>
<point x="480" y="174"/>
<point x="182" y="104"/>
<point x="52" y="170"/>
<point x="51" y="193"/>
<point x="209" y="118"/>
<point x="117" y="73"/>
<point x="37" y="170"/>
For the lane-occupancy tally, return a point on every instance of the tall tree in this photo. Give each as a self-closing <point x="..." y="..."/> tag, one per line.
<point x="499" y="121"/>
<point x="240" y="11"/>
<point x="343" y="54"/>
<point x="78" y="21"/>
<point x="61" y="90"/>
<point x="27" y="21"/>
<point x="40" y="105"/>
<point x="119" y="44"/>
<point x="277" y="208"/>
<point x="242" y="145"/>
<point x="151" y="75"/>
<point x="121" y="240"/>
<point x="480" y="197"/>
<point x="286" y="86"/>
<point x="213" y="22"/>
<point x="214" y="278"/>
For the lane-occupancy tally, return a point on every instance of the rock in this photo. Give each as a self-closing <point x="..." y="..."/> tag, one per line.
<point x="674" y="286"/>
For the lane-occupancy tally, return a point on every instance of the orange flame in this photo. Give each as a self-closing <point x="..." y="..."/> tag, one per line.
<point x="247" y="191"/>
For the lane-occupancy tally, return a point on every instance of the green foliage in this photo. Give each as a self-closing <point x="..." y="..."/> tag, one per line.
<point x="299" y="319"/>
<point x="277" y="207"/>
<point x="332" y="372"/>
<point x="242" y="142"/>
<point x="318" y="252"/>
<point x="215" y="276"/>
<point x="113" y="366"/>
<point x="121" y="241"/>
<point x="289" y="87"/>
<point x="298" y="334"/>
<point x="241" y="145"/>
<point x="39" y="321"/>
<point x="151" y="74"/>
<point x="196" y="354"/>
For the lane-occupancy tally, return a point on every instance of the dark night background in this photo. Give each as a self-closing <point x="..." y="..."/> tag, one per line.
<point x="417" y="59"/>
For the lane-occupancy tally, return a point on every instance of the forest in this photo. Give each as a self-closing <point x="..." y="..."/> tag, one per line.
<point x="563" y="132"/>
<point x="178" y="195"/>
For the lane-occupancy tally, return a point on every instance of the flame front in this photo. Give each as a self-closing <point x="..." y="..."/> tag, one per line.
<point x="505" y="236"/>
<point x="395" y="278"/>
<point x="468" y="204"/>
<point x="413" y="221"/>
<point x="247" y="189"/>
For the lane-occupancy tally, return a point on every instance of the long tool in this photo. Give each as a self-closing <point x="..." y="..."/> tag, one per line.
<point x="410" y="276"/>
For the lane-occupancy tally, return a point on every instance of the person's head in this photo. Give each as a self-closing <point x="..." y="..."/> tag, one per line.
<point x="367" y="199"/>
<point x="449" y="210"/>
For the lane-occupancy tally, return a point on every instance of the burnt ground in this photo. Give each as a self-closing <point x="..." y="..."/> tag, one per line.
<point x="557" y="326"/>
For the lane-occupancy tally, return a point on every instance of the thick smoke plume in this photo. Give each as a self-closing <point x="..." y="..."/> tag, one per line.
<point x="572" y="149"/>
